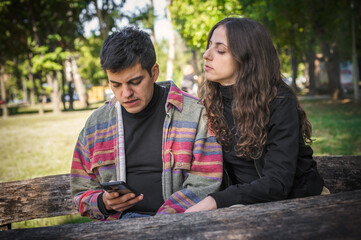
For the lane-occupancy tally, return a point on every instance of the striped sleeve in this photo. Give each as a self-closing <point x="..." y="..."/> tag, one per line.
<point x="94" y="155"/>
<point x="195" y="153"/>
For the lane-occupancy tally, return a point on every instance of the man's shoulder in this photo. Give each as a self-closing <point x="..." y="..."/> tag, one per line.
<point x="178" y="97"/>
<point x="102" y="114"/>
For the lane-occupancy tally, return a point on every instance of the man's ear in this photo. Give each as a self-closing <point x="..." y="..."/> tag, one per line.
<point x="155" y="72"/>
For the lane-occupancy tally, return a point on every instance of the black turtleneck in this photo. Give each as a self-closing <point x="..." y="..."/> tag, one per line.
<point x="242" y="171"/>
<point x="143" y="151"/>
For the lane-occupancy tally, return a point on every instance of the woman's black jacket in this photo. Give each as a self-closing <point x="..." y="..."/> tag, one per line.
<point x="286" y="168"/>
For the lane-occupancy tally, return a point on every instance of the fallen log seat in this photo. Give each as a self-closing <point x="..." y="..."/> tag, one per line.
<point x="50" y="196"/>
<point x="335" y="216"/>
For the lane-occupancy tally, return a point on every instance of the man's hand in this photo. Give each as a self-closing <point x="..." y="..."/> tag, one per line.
<point x="206" y="204"/>
<point x="113" y="201"/>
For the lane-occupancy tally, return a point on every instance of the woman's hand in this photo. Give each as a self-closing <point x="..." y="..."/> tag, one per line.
<point x="206" y="204"/>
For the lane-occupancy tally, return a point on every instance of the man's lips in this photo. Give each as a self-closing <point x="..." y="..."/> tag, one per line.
<point x="130" y="102"/>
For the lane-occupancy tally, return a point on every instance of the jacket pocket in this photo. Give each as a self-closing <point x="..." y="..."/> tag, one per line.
<point x="103" y="158"/>
<point x="178" y="164"/>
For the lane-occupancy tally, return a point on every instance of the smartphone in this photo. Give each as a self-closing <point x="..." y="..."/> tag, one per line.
<point x="118" y="186"/>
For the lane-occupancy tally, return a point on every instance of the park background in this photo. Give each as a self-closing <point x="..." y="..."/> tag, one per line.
<point x="51" y="79"/>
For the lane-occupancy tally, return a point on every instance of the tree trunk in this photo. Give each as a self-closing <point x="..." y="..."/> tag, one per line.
<point x="33" y="91"/>
<point x="63" y="82"/>
<point x="70" y="82"/>
<point x="42" y="102"/>
<point x="25" y="91"/>
<point x="294" y="68"/>
<point x="333" y="69"/>
<point x="171" y="50"/>
<point x="53" y="82"/>
<point x="311" y="57"/>
<point x="4" y="107"/>
<point x="100" y="18"/>
<point x="79" y="85"/>
<point x="153" y="30"/>
<point x="195" y="62"/>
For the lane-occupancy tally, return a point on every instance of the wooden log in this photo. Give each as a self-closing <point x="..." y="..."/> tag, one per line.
<point x="335" y="216"/>
<point x="50" y="196"/>
<point x="35" y="198"/>
<point x="341" y="173"/>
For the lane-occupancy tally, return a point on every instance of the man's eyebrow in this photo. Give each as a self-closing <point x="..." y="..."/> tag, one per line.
<point x="130" y="80"/>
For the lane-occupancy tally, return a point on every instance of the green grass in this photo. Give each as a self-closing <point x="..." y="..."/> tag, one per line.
<point x="336" y="127"/>
<point x="33" y="146"/>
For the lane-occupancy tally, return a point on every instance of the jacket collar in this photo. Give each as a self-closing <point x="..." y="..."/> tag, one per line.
<point x="175" y="97"/>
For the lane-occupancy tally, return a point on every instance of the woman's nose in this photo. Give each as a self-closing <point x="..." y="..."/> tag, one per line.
<point x="207" y="55"/>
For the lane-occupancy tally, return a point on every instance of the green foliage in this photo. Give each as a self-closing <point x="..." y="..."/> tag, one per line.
<point x="48" y="61"/>
<point x="193" y="19"/>
<point x="89" y="60"/>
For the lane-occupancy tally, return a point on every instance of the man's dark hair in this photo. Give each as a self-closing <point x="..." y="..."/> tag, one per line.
<point x="126" y="48"/>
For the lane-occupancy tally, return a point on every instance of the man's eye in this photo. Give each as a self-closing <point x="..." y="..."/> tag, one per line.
<point x="136" y="82"/>
<point x="116" y="84"/>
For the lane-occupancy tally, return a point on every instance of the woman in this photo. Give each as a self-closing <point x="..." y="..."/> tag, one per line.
<point x="257" y="119"/>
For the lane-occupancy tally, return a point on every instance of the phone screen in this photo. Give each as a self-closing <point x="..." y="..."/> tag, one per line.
<point x="118" y="186"/>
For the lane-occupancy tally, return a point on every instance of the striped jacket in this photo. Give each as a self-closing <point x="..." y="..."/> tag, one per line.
<point x="192" y="159"/>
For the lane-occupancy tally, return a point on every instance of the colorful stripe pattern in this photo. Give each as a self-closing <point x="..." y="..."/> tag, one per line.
<point x="192" y="159"/>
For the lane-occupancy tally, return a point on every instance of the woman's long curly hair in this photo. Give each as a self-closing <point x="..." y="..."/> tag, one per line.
<point x="256" y="85"/>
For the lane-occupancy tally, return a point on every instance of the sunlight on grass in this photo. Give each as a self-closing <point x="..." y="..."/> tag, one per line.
<point x="45" y="222"/>
<point x="33" y="146"/>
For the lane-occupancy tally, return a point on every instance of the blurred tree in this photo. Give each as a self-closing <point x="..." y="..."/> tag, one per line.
<point x="144" y="18"/>
<point x="107" y="12"/>
<point x="38" y="24"/>
<point x="304" y="27"/>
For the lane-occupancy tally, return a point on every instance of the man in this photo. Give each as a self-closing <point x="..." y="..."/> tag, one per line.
<point x="154" y="138"/>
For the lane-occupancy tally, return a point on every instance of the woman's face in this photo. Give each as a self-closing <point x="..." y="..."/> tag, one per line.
<point x="220" y="66"/>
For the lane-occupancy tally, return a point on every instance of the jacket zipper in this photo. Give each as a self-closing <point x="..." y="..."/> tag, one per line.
<point x="254" y="161"/>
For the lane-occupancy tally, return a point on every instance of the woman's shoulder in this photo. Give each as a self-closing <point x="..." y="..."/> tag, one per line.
<point x="284" y="91"/>
<point x="285" y="97"/>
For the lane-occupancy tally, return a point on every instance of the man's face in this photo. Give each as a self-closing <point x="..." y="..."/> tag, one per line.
<point x="133" y="87"/>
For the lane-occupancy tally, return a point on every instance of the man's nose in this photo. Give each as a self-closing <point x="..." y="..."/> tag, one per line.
<point x="127" y="91"/>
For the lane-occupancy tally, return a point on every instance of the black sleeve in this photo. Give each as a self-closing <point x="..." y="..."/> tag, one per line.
<point x="280" y="160"/>
<point x="102" y="207"/>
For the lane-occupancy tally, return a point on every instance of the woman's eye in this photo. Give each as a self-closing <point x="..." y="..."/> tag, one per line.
<point x="221" y="52"/>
